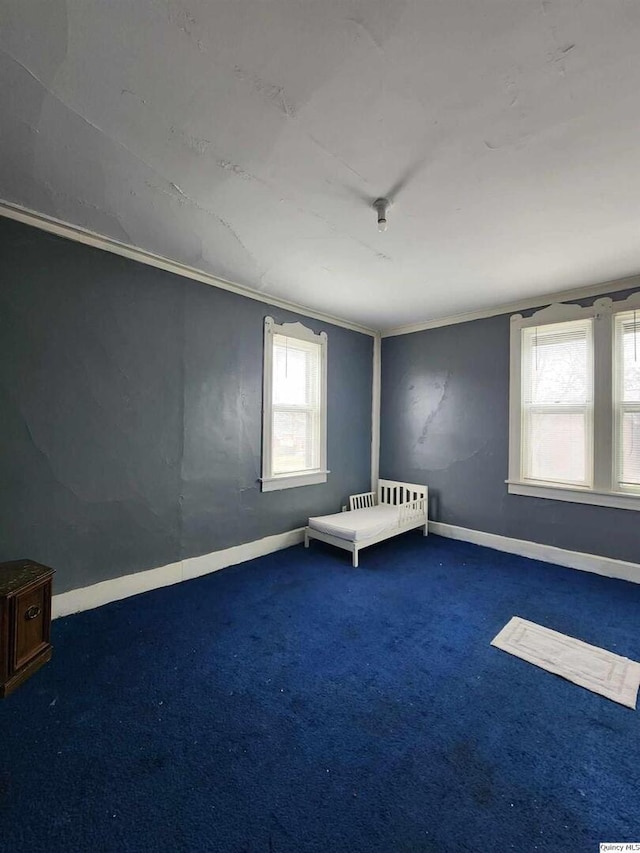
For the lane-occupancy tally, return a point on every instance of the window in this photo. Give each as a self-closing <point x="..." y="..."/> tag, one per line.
<point x="294" y="433"/>
<point x="575" y="403"/>
<point x="557" y="403"/>
<point x="627" y="400"/>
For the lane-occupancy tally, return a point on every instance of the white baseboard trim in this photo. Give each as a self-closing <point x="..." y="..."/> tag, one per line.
<point x="88" y="597"/>
<point x="606" y="566"/>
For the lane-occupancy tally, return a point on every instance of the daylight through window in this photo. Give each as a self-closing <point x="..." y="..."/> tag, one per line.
<point x="574" y="422"/>
<point x="294" y="424"/>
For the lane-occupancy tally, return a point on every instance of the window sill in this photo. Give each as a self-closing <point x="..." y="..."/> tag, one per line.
<point x="618" y="500"/>
<point x="291" y="481"/>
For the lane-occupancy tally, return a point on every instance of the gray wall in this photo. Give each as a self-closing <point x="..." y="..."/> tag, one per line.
<point x="445" y="422"/>
<point x="130" y="413"/>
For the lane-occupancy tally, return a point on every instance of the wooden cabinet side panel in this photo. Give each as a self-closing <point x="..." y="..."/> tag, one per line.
<point x="48" y="593"/>
<point x="4" y="640"/>
<point x="25" y="622"/>
<point x="29" y="634"/>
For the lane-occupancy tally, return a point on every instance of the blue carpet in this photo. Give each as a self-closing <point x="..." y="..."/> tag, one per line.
<point x="296" y="704"/>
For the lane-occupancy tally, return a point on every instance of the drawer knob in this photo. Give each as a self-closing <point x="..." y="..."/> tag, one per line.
<point x="32" y="612"/>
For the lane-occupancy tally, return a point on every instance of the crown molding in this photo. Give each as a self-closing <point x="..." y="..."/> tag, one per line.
<point x="524" y="305"/>
<point x="82" y="235"/>
<point x="98" y="241"/>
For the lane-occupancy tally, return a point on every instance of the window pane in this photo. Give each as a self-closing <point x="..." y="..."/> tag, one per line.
<point x="556" y="447"/>
<point x="557" y="395"/>
<point x="557" y="367"/>
<point x="296" y="373"/>
<point x="631" y="449"/>
<point x="294" y="446"/>
<point x="630" y="328"/>
<point x="627" y="367"/>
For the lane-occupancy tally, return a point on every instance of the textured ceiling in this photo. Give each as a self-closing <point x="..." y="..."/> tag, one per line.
<point x="249" y="139"/>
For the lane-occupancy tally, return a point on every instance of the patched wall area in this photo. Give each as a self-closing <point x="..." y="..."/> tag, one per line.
<point x="445" y="423"/>
<point x="131" y="414"/>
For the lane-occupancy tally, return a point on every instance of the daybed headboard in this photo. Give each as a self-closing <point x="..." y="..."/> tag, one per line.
<point x="390" y="492"/>
<point x="393" y="492"/>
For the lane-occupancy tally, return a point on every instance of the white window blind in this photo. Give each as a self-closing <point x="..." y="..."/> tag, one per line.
<point x="557" y="403"/>
<point x="297" y="406"/>
<point x="627" y="399"/>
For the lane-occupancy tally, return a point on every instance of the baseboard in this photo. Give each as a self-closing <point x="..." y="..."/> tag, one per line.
<point x="89" y="597"/>
<point x="606" y="566"/>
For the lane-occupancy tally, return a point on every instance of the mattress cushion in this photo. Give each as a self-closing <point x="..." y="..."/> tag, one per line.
<point x="357" y="524"/>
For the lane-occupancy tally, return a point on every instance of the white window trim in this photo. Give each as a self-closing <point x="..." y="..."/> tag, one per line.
<point x="269" y="481"/>
<point x="602" y="492"/>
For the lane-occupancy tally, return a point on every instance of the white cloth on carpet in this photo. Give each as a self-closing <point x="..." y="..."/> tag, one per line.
<point x="598" y="670"/>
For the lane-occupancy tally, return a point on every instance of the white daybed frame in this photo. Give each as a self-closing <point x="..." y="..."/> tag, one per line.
<point x="413" y="511"/>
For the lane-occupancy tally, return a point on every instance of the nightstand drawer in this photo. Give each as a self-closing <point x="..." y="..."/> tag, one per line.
<point x="31" y="625"/>
<point x="25" y="621"/>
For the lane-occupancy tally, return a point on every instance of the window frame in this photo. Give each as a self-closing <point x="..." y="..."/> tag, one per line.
<point x="274" y="482"/>
<point x="602" y="492"/>
<point x="619" y="406"/>
<point x="529" y="408"/>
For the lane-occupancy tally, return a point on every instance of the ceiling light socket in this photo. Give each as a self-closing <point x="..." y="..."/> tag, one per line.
<point x="381" y="205"/>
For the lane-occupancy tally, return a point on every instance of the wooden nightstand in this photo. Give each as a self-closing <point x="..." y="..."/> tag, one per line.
<point x="25" y="621"/>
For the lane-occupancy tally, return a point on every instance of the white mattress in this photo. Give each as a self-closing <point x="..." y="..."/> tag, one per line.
<point x="358" y="524"/>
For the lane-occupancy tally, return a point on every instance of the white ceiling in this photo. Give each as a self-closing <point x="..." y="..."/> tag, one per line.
<point x="249" y="138"/>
